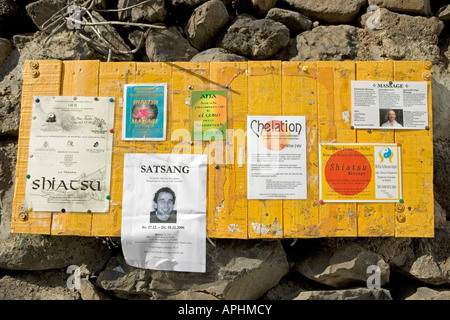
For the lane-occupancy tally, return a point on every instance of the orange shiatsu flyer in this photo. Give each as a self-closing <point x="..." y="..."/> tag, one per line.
<point x="360" y="173"/>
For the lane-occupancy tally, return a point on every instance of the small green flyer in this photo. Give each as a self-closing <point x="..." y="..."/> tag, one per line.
<point x="209" y="115"/>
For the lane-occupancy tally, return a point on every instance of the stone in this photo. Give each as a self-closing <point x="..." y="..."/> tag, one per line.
<point x="254" y="38"/>
<point x="205" y="22"/>
<point x="421" y="7"/>
<point x="186" y="3"/>
<point x="42" y="10"/>
<point x="235" y="270"/>
<point x="342" y="267"/>
<point x="5" y="49"/>
<point x="8" y="154"/>
<point x="295" y="21"/>
<point x="38" y="285"/>
<point x="217" y="54"/>
<point x="347" y="294"/>
<point x="168" y="45"/>
<point x="328" y="11"/>
<point x="424" y="293"/>
<point x="440" y="216"/>
<point x="40" y="252"/>
<point x="327" y="43"/>
<point x="257" y="8"/>
<point x="441" y="167"/>
<point x="399" y="37"/>
<point x="444" y="13"/>
<point x="149" y="12"/>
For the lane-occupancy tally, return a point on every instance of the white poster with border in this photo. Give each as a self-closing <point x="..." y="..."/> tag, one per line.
<point x="164" y="211"/>
<point x="276" y="157"/>
<point x="389" y="105"/>
<point x="70" y="149"/>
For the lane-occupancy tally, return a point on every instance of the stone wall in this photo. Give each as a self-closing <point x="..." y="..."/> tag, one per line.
<point x="33" y="267"/>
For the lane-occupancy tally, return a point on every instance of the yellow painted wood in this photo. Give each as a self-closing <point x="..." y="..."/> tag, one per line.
<point x="321" y="93"/>
<point x="265" y="217"/>
<point x="375" y="219"/>
<point x="227" y="214"/>
<point x="79" y="78"/>
<point x="415" y="217"/>
<point x="299" y="97"/>
<point x="113" y="76"/>
<point x="334" y="98"/>
<point x="39" y="78"/>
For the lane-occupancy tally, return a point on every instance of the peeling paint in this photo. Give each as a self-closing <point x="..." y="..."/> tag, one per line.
<point x="345" y="116"/>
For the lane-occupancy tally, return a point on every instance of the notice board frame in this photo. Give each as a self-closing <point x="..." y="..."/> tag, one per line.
<point x="319" y="90"/>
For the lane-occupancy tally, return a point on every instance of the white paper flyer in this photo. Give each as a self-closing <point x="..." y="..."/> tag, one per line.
<point x="70" y="149"/>
<point x="389" y="105"/>
<point x="164" y="211"/>
<point x="276" y="158"/>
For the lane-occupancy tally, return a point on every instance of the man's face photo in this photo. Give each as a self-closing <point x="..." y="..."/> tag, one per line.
<point x="391" y="115"/>
<point x="164" y="204"/>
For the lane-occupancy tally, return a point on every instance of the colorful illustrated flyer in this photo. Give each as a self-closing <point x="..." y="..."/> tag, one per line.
<point x="164" y="211"/>
<point x="145" y="112"/>
<point x="276" y="157"/>
<point x="389" y="105"/>
<point x="209" y="115"/>
<point x="70" y="149"/>
<point x="360" y="173"/>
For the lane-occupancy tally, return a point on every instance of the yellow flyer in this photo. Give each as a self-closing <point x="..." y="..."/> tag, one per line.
<point x="360" y="173"/>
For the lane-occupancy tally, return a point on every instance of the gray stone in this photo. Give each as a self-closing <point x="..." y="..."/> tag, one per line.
<point x="153" y="11"/>
<point x="399" y="37"/>
<point x="424" y="293"/>
<point x="257" y="7"/>
<point x="295" y="21"/>
<point x="42" y="10"/>
<point x="444" y="13"/>
<point x="168" y="45"/>
<point x="329" y="11"/>
<point x="235" y="270"/>
<point x="205" y="22"/>
<point x="5" y="49"/>
<point x="217" y="54"/>
<point x="40" y="285"/>
<point x="39" y="252"/>
<point x="327" y="43"/>
<point x="441" y="167"/>
<point x="347" y="294"/>
<point x="255" y="38"/>
<point x="186" y="3"/>
<point x="411" y="6"/>
<point x="342" y="267"/>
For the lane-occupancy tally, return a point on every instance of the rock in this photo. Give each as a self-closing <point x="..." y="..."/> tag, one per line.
<point x="216" y="54"/>
<point x="347" y="294"/>
<point x="137" y="38"/>
<point x="441" y="167"/>
<point x="399" y="37"/>
<point x="150" y="12"/>
<point x="8" y="154"/>
<point x="205" y="22"/>
<point x="255" y="38"/>
<point x="42" y="10"/>
<point x="257" y="7"/>
<point x="327" y="43"/>
<point x="444" y="13"/>
<point x="411" y="6"/>
<point x="186" y="3"/>
<point x="90" y="292"/>
<point x="329" y="11"/>
<point x="39" y="285"/>
<point x="440" y="216"/>
<point x="39" y="252"/>
<point x="168" y="45"/>
<point x="342" y="267"/>
<point x="295" y="21"/>
<point x="235" y="270"/>
<point x="5" y="49"/>
<point x="424" y="293"/>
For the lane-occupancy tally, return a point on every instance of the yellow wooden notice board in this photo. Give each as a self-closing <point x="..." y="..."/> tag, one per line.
<point x="320" y="91"/>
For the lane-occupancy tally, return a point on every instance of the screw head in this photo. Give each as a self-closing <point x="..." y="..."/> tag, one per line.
<point x="23" y="216"/>
<point x="305" y="68"/>
<point x="35" y="73"/>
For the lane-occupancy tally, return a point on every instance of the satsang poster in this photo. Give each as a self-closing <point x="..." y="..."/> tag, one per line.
<point x="164" y="211"/>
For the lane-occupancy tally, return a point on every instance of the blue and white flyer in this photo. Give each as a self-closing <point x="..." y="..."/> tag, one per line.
<point x="144" y="112"/>
<point x="164" y="211"/>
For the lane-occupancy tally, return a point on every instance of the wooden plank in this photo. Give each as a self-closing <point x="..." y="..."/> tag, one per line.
<point x="334" y="98"/>
<point x="39" y="78"/>
<point x="375" y="219"/>
<point x="299" y="97"/>
<point x="79" y="78"/>
<point x="415" y="216"/>
<point x="265" y="217"/>
<point x="227" y="191"/>
<point x="113" y="76"/>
